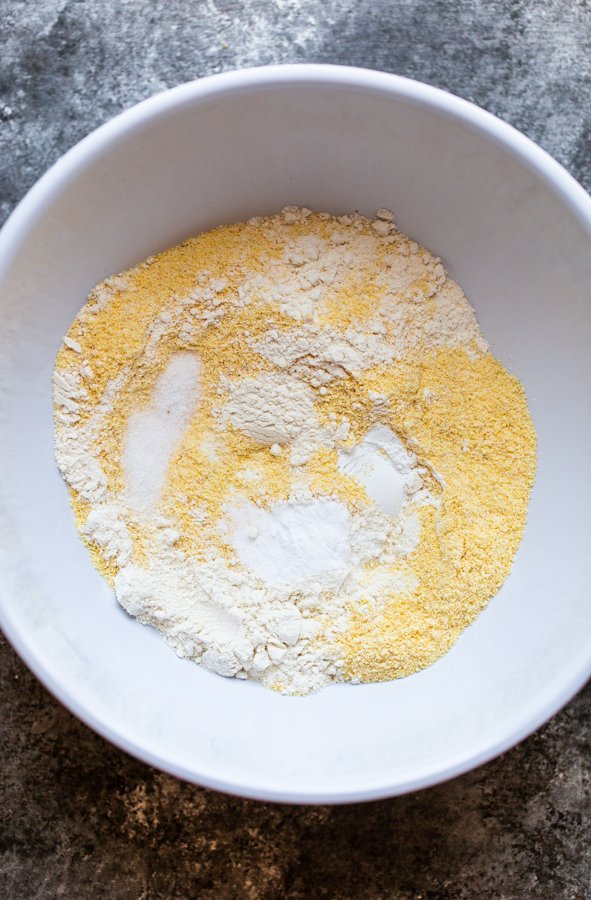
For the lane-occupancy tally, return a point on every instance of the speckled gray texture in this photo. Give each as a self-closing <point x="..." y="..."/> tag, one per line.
<point x="79" y="818"/>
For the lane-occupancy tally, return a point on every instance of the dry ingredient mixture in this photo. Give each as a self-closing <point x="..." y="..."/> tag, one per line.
<point x="291" y="452"/>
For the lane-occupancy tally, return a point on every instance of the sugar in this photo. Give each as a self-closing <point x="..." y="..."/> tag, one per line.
<point x="154" y="433"/>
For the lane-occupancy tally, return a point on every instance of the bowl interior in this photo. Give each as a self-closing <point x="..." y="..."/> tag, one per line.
<point x="218" y="152"/>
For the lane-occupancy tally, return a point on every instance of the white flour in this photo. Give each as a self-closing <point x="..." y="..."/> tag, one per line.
<point x="276" y="410"/>
<point x="272" y="612"/>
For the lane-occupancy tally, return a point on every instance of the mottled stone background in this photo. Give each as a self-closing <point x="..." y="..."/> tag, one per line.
<point x="80" y="819"/>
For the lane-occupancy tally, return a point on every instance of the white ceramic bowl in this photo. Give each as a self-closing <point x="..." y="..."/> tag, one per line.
<point x="511" y="226"/>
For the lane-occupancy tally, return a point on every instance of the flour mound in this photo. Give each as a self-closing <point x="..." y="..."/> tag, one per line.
<point x="290" y="451"/>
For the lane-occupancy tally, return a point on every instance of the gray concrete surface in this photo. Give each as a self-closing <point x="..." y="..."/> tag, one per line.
<point x="80" y="819"/>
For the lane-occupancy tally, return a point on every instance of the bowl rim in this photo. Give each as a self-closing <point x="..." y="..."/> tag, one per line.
<point x="83" y="154"/>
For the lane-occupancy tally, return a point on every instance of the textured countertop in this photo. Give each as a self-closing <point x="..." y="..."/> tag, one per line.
<point x="81" y="819"/>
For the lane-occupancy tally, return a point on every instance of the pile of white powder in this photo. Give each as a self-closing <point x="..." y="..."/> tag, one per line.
<point x="272" y="612"/>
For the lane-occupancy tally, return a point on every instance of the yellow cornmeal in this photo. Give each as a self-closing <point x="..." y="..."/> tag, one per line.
<point x="455" y="407"/>
<point x="476" y="433"/>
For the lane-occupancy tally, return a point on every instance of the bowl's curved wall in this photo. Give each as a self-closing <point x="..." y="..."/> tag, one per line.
<point x="511" y="226"/>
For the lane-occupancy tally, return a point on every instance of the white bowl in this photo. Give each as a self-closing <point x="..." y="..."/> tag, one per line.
<point x="512" y="227"/>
